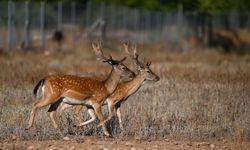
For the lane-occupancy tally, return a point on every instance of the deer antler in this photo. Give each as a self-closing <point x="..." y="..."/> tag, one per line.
<point x="97" y="47"/>
<point x="133" y="56"/>
<point x="148" y="63"/>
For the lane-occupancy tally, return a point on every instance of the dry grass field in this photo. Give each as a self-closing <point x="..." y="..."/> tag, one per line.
<point x="203" y="96"/>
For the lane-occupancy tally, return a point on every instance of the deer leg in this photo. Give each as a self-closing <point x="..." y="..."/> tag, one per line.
<point x="77" y="113"/>
<point x="111" y="107"/>
<point x="51" y="116"/>
<point x="92" y="115"/>
<point x="39" y="104"/>
<point x="51" y="113"/>
<point x="119" y="115"/>
<point x="63" y="107"/>
<point x="99" y="114"/>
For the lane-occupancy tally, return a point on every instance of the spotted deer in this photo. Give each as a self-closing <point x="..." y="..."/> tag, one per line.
<point x="74" y="90"/>
<point x="123" y="91"/>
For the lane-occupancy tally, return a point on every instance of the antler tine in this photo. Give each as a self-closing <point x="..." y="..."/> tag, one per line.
<point x="98" y="51"/>
<point x="125" y="45"/>
<point x="100" y="43"/>
<point x="145" y="62"/>
<point x="135" y="55"/>
<point x="126" y="49"/>
<point x="148" y="63"/>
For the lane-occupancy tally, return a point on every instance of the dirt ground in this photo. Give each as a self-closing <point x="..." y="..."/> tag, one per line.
<point x="104" y="143"/>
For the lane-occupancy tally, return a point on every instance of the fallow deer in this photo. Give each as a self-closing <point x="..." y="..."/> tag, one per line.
<point x="75" y="90"/>
<point x="123" y="91"/>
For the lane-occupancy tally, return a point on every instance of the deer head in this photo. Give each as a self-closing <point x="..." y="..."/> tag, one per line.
<point x="143" y="68"/>
<point x="117" y="65"/>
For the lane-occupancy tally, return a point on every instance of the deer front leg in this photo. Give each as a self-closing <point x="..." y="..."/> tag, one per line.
<point x="77" y="113"/>
<point x="111" y="107"/>
<point x="119" y="115"/>
<point x="98" y="112"/>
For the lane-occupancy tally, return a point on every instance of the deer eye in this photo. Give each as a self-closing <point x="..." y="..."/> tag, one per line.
<point x="148" y="71"/>
<point x="123" y="68"/>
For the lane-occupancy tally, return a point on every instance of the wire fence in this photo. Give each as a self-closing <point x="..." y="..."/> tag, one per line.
<point x="27" y="24"/>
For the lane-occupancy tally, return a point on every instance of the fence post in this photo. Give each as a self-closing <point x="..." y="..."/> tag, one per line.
<point x="112" y="22"/>
<point x="73" y="22"/>
<point x="103" y="22"/>
<point x="25" y="43"/>
<point x="103" y="11"/>
<point x="125" y="23"/>
<point x="148" y="26"/>
<point x="159" y="24"/>
<point x="59" y="16"/>
<point x="88" y="14"/>
<point x="10" y="25"/>
<point x="179" y="24"/>
<point x="13" y="23"/>
<point x="136" y="16"/>
<point x="248" y="21"/>
<point x="42" y="25"/>
<point x="234" y="21"/>
<point x="143" y="26"/>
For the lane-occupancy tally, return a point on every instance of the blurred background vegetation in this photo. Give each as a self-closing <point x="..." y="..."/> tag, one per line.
<point x="204" y="6"/>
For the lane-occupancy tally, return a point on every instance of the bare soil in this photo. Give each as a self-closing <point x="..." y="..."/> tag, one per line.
<point x="104" y="143"/>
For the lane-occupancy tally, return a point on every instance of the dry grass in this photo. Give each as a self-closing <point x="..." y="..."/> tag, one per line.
<point x="201" y="94"/>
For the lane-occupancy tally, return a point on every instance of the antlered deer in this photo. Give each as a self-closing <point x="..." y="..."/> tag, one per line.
<point x="123" y="91"/>
<point x="74" y="90"/>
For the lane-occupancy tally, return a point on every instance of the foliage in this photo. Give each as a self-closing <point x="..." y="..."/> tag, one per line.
<point x="207" y="6"/>
<point x="213" y="6"/>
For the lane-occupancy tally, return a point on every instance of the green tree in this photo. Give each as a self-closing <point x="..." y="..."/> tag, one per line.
<point x="215" y="6"/>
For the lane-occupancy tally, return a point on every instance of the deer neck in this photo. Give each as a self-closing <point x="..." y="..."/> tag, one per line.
<point x="135" y="84"/>
<point x="112" y="81"/>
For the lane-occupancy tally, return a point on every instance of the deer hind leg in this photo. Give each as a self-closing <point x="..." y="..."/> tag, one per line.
<point x="62" y="107"/>
<point x="92" y="114"/>
<point x="51" y="112"/>
<point x="39" y="104"/>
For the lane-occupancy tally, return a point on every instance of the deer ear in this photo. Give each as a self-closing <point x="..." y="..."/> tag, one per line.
<point x="123" y="59"/>
<point x="110" y="60"/>
<point x="105" y="61"/>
